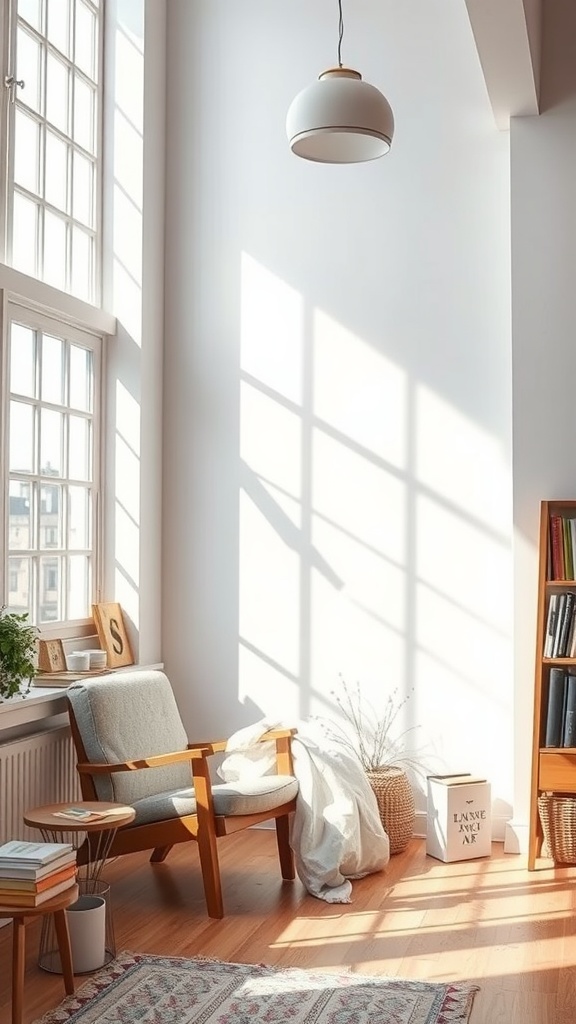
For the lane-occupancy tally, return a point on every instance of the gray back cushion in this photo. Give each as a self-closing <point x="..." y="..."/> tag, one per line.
<point x="126" y="717"/>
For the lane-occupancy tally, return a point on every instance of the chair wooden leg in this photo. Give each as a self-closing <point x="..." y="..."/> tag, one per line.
<point x="63" y="937"/>
<point x="207" y="848"/>
<point x="159" y="854"/>
<point x="285" y="852"/>
<point x="18" y="965"/>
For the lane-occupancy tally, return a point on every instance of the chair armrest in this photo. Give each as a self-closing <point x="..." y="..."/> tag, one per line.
<point x="158" y="761"/>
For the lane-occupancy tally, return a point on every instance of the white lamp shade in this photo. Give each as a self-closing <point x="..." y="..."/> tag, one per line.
<point x="340" y="119"/>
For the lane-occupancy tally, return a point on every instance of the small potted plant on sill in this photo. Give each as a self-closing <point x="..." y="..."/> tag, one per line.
<point x="372" y="737"/>
<point x="17" y="652"/>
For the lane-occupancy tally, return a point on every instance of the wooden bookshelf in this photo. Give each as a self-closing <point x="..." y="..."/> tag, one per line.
<point x="553" y="767"/>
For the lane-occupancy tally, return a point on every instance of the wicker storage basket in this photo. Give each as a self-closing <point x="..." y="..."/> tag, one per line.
<point x="395" y="800"/>
<point x="558" y="816"/>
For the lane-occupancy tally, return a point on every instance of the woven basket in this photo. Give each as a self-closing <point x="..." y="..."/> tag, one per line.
<point x="558" y="817"/>
<point x="395" y="800"/>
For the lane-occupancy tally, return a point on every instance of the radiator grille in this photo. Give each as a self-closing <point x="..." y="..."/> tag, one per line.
<point x="35" y="770"/>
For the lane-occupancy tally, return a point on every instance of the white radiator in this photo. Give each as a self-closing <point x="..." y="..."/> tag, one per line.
<point x="35" y="770"/>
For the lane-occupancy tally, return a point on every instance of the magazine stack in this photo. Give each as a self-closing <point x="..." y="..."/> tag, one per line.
<point x="31" y="873"/>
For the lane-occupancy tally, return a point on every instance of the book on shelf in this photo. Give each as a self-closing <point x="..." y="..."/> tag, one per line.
<point x="35" y="873"/>
<point x="551" y="625"/>
<point x="17" y="884"/>
<point x="84" y="814"/>
<point x="560" y="609"/>
<point x="557" y="547"/>
<point x="567" y="544"/>
<point x="35" y="899"/>
<point x="569" y="725"/>
<point x="17" y="852"/>
<point x="568" y="611"/>
<point x="555" y="709"/>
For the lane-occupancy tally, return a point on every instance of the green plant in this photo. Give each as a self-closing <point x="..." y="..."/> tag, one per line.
<point x="371" y="735"/>
<point x="17" y="651"/>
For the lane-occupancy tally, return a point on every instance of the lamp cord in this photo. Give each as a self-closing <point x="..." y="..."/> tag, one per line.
<point x="340" y="33"/>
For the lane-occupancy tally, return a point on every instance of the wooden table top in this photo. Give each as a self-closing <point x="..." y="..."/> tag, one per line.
<point x="47" y="818"/>
<point x="59" y="902"/>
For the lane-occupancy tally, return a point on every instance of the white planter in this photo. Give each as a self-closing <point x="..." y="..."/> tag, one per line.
<point x="87" y="926"/>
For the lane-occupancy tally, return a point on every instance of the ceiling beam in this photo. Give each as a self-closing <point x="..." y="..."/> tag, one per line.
<point x="508" y="39"/>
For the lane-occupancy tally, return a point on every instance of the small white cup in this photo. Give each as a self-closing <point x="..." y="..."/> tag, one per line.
<point x="78" y="661"/>
<point x="98" y="658"/>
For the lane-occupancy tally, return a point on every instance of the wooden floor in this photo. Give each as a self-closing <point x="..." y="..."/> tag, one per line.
<point x="489" y="921"/>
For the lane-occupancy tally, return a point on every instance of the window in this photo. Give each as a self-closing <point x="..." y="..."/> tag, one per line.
<point x="52" y="209"/>
<point x="51" y="450"/>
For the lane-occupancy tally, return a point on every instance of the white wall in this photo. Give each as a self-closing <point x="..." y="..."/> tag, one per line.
<point x="543" y="162"/>
<point x="134" y="292"/>
<point x="337" y="380"/>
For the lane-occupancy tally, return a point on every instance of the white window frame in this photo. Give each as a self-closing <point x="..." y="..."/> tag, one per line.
<point x="8" y="26"/>
<point x="36" y="301"/>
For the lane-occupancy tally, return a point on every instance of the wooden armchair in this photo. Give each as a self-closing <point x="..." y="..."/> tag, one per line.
<point x="132" y="749"/>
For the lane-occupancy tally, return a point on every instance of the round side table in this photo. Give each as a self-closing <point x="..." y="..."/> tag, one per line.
<point x="51" y="909"/>
<point x="95" y="837"/>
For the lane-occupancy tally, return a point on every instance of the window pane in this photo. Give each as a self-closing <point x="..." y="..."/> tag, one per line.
<point x="82" y="246"/>
<point x="78" y="586"/>
<point x="50" y="442"/>
<point x="55" y="261"/>
<point x="20" y="518"/>
<point x="26" y="151"/>
<point x="81" y="382"/>
<point x="56" y="181"/>
<point x="52" y="389"/>
<point x="31" y="11"/>
<point x="58" y="25"/>
<point x="22" y="353"/>
<point x="85" y="48"/>
<point x="84" y="111"/>
<point x="78" y="518"/>
<point x="21" y="438"/>
<point x="57" y="93"/>
<point x="24" y="235"/>
<point x="28" y="64"/>
<point x="83" y="197"/>
<point x="20" y="574"/>
<point x="51" y="516"/>
<point x="79" y="449"/>
<point x="49" y="587"/>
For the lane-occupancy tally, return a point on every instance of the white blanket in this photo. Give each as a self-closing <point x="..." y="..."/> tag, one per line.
<point x="336" y="831"/>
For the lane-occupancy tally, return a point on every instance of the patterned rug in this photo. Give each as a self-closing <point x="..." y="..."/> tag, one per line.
<point x="169" y="990"/>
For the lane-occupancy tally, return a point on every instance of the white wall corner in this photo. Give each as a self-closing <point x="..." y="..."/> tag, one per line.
<point x="508" y="37"/>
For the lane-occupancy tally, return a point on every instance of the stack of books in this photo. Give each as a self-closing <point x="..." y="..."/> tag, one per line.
<point x="31" y="873"/>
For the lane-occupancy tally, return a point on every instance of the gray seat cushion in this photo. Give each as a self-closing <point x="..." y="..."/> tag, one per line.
<point x="252" y="797"/>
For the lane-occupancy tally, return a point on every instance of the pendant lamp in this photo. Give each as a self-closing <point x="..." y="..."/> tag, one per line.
<point x="340" y="119"/>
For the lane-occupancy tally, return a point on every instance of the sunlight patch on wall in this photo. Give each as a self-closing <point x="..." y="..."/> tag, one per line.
<point x="359" y="496"/>
<point x="266" y="689"/>
<point x="461" y="462"/>
<point x="358" y="391"/>
<point x="271" y="446"/>
<point x="269" y="613"/>
<point x="126" y="225"/>
<point x="271" y="330"/>
<point x="127" y="487"/>
<point x="459" y="558"/>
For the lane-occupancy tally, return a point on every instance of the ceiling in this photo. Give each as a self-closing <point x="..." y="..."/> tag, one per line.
<point x="508" y="38"/>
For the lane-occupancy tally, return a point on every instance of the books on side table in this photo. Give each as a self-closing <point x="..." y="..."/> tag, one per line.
<point x="31" y="873"/>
